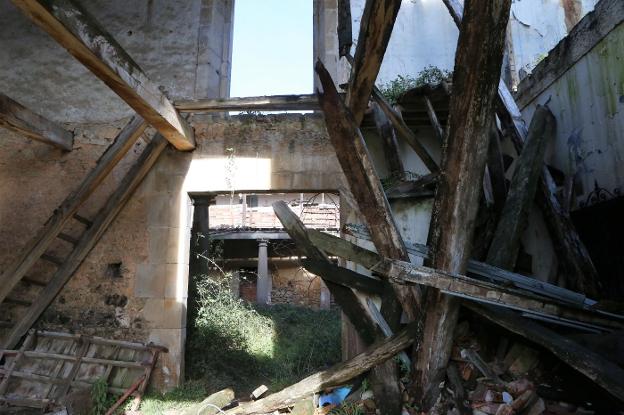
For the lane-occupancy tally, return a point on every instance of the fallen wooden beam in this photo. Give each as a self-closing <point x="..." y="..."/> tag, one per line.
<point x="568" y="245"/>
<point x="390" y="145"/>
<point x="404" y="131"/>
<point x="344" y="297"/>
<point x="90" y="237"/>
<point x="422" y="187"/>
<point x="385" y="377"/>
<point x="514" y="216"/>
<point x="345" y="30"/>
<point x="337" y="375"/>
<point x="364" y="183"/>
<point x="75" y="30"/>
<point x="601" y="371"/>
<point x="460" y="286"/>
<point x="476" y="75"/>
<point x="260" y="103"/>
<point x="15" y="117"/>
<point x="36" y="247"/>
<point x="375" y="30"/>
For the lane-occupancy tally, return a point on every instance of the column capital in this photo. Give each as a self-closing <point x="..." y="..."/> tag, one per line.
<point x="263" y="242"/>
<point x="203" y="200"/>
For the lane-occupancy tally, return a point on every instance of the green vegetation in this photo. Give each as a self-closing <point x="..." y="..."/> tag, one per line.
<point x="234" y="344"/>
<point x="430" y="75"/>
<point x="101" y="400"/>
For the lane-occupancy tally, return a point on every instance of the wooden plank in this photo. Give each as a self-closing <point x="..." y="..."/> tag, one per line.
<point x="260" y="103"/>
<point x="390" y="145"/>
<point x="38" y="245"/>
<point x="591" y="364"/>
<point x="422" y="187"/>
<point x="375" y="30"/>
<point x="496" y="169"/>
<point x="476" y="76"/>
<point x="70" y="358"/>
<point x="595" y="26"/>
<point x="460" y="285"/>
<point x="571" y="251"/>
<point x="433" y="118"/>
<point x="87" y="241"/>
<point x="345" y="29"/>
<point x="338" y="246"/>
<point x="404" y="131"/>
<point x="338" y="374"/>
<point x="364" y="183"/>
<point x="344" y="276"/>
<point x="514" y="217"/>
<point x="75" y="30"/>
<point x="15" y="117"/>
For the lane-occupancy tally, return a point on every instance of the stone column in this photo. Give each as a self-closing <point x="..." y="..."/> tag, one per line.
<point x="264" y="283"/>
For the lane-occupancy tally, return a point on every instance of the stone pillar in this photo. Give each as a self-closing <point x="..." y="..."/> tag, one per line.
<point x="325" y="302"/>
<point x="264" y="283"/>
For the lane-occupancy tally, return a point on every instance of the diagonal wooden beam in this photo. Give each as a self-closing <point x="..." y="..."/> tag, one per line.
<point x="570" y="250"/>
<point x="476" y="76"/>
<point x="15" y="117"/>
<point x="33" y="250"/>
<point x="375" y="30"/>
<point x="75" y="30"/>
<point x="105" y="216"/>
<point x="390" y="145"/>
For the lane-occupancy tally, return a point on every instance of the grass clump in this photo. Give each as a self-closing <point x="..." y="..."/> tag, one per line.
<point x="397" y="87"/>
<point x="231" y="343"/>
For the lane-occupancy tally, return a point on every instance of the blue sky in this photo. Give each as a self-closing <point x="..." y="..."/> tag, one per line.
<point x="272" y="50"/>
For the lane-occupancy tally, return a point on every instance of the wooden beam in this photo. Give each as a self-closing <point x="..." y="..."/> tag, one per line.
<point x="260" y="103"/>
<point x="476" y="75"/>
<point x="344" y="276"/>
<point x="593" y="365"/>
<point x="496" y="169"/>
<point x="433" y="118"/>
<point x="571" y="251"/>
<point x="422" y="187"/>
<point x="404" y="131"/>
<point x="33" y="250"/>
<point x="457" y="285"/>
<point x="384" y="378"/>
<point x="75" y="30"/>
<point x="364" y="183"/>
<point x="506" y="242"/>
<point x="345" y="30"/>
<point x="390" y="145"/>
<point x="15" y="117"/>
<point x="344" y="297"/>
<point x="375" y="30"/>
<point x="337" y="375"/>
<point x="89" y="238"/>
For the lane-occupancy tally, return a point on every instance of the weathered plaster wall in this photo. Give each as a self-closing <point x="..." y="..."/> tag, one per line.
<point x="182" y="45"/>
<point x="424" y="34"/>
<point x="588" y="103"/>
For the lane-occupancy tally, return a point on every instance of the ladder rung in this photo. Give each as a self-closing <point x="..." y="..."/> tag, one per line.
<point x="82" y="220"/>
<point x="33" y="281"/>
<point x="17" y="301"/>
<point x="67" y="238"/>
<point x="52" y="259"/>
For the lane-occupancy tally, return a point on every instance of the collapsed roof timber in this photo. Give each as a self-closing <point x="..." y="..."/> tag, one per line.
<point x="471" y="201"/>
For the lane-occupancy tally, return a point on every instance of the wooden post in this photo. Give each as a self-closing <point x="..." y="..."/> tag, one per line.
<point x="475" y="80"/>
<point x="375" y="30"/>
<point x="345" y="30"/>
<point x="14" y="116"/>
<point x="75" y="30"/>
<point x="506" y="242"/>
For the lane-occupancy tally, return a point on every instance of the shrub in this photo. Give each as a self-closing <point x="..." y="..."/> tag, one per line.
<point x="430" y="75"/>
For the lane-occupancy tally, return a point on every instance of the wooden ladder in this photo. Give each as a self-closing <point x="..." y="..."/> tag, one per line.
<point x="29" y="295"/>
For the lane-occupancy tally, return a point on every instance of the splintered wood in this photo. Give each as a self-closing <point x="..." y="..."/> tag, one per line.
<point x="49" y="367"/>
